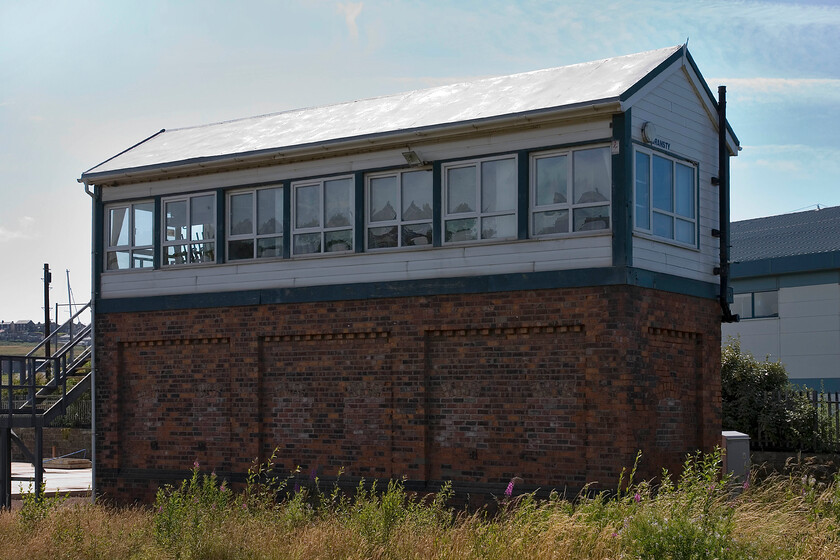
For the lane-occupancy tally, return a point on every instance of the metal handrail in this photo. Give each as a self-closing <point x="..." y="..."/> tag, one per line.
<point x="56" y="331"/>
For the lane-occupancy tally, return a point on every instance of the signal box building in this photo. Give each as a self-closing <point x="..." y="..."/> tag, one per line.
<point x="510" y="277"/>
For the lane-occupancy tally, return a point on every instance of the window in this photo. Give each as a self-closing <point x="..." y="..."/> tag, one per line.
<point x="480" y="200"/>
<point x="323" y="216"/>
<point x="399" y="209"/>
<point x="130" y="240"/>
<point x="665" y="197"/>
<point x="570" y="191"/>
<point x="756" y="305"/>
<point x="255" y="224"/>
<point x="189" y="230"/>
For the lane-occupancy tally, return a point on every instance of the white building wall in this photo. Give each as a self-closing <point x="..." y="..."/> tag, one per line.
<point x="805" y="336"/>
<point x="682" y="120"/>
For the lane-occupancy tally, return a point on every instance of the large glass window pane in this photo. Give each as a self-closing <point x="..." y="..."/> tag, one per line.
<point x="338" y="210"/>
<point x="766" y="304"/>
<point x="498" y="227"/>
<point x="202" y="218"/>
<point x="307" y="207"/>
<point x="177" y="254"/>
<point x="498" y="185"/>
<point x="663" y="185"/>
<point x="269" y="211"/>
<point x="684" y="231"/>
<point x="742" y="305"/>
<point x="119" y="227"/>
<point x="176" y="220"/>
<point x="383" y="199"/>
<point x="118" y="260"/>
<point x="591" y="175"/>
<point x="270" y="247"/>
<point x="555" y="221"/>
<point x="642" y="190"/>
<point x="142" y="258"/>
<point x="341" y="240"/>
<point x="379" y="237"/>
<point x="460" y="185"/>
<point x="417" y="195"/>
<point x="685" y="191"/>
<point x="663" y="225"/>
<point x="144" y="223"/>
<point x="461" y="230"/>
<point x="307" y="243"/>
<point x="592" y="219"/>
<point x="240" y="249"/>
<point x="417" y="234"/>
<point x="241" y="213"/>
<point x="552" y="180"/>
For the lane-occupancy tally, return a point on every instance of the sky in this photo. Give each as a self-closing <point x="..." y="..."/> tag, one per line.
<point x="81" y="81"/>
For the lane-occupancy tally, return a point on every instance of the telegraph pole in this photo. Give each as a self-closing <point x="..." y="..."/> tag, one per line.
<point x="47" y="330"/>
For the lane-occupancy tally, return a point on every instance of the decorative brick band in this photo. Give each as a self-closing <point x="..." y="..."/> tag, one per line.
<point x="327" y="336"/>
<point x="174" y="342"/>
<point x="531" y="330"/>
<point x="674" y="333"/>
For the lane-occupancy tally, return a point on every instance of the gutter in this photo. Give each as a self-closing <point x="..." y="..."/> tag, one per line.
<point x="94" y="282"/>
<point x="723" y="206"/>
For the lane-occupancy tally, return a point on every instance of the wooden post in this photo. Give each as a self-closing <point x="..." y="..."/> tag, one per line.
<point x="5" y="469"/>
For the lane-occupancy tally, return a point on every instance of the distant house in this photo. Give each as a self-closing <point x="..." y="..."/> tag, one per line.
<point x="514" y="276"/>
<point x="786" y="280"/>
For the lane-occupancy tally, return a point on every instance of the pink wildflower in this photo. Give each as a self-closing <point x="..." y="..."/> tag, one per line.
<point x="637" y="498"/>
<point x="195" y="464"/>
<point x="509" y="489"/>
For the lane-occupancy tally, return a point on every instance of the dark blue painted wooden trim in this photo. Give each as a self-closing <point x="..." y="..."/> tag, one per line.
<point x="523" y="161"/>
<point x="622" y="191"/>
<point x="157" y="235"/>
<point x="98" y="210"/>
<point x="359" y="205"/>
<point x="287" y="219"/>
<point x="221" y="232"/>
<point x="786" y="265"/>
<point x="437" y="205"/>
<point x="610" y="276"/>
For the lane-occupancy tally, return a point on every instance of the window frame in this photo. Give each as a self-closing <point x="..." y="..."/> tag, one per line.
<point x="322" y="229"/>
<point x="166" y="243"/>
<point x="673" y="214"/>
<point x="569" y="206"/>
<point x="399" y="222"/>
<point x="254" y="236"/>
<point x="132" y="246"/>
<point x="477" y="214"/>
<point x="752" y="305"/>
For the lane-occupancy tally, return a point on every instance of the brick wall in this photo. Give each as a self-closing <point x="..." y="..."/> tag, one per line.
<point x="559" y="387"/>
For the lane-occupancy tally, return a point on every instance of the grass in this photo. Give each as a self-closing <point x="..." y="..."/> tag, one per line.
<point x="696" y="516"/>
<point x="17" y="348"/>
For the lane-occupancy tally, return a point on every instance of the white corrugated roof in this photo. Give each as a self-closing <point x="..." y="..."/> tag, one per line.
<point x="551" y="89"/>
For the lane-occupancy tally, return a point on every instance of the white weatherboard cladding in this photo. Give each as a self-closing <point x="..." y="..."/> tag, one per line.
<point x="576" y="132"/>
<point x="674" y="106"/>
<point x="386" y="266"/>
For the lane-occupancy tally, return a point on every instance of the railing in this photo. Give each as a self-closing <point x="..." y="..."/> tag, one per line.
<point x="813" y="423"/>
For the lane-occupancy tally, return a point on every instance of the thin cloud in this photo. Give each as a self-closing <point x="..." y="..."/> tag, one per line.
<point x="776" y="89"/>
<point x="351" y="11"/>
<point x="25" y="230"/>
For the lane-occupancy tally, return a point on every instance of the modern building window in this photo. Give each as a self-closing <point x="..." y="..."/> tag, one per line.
<point x="189" y="235"/>
<point x="399" y="209"/>
<point x="665" y="197"/>
<point x="570" y="191"/>
<point x="130" y="236"/>
<point x="255" y="224"/>
<point x="479" y="199"/>
<point x="756" y="305"/>
<point x="323" y="216"/>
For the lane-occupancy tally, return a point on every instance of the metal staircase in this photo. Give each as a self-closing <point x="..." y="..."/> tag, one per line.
<point x="35" y="390"/>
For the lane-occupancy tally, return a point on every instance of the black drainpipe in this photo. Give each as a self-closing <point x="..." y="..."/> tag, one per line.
<point x="723" y="193"/>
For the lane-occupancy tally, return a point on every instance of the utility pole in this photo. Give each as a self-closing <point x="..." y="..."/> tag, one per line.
<point x="47" y="330"/>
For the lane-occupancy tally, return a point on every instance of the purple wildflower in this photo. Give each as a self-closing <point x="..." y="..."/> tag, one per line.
<point x="195" y="464"/>
<point x="509" y="489"/>
<point x="297" y="487"/>
<point x="313" y="473"/>
<point x="637" y="498"/>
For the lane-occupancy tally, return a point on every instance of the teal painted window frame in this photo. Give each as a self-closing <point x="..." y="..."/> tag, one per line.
<point x="399" y="221"/>
<point x="191" y="254"/>
<point x="645" y="211"/>
<point x="322" y="230"/>
<point x="255" y="236"/>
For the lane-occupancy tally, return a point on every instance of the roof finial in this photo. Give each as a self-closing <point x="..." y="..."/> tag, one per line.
<point x="686" y="41"/>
